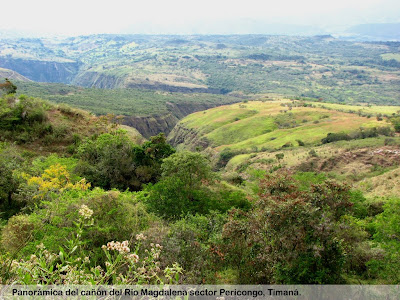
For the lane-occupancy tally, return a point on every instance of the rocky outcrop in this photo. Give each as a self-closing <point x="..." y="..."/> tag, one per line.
<point x="187" y="137"/>
<point x="10" y="74"/>
<point x="98" y="80"/>
<point x="42" y="71"/>
<point x="152" y="125"/>
<point x="173" y="88"/>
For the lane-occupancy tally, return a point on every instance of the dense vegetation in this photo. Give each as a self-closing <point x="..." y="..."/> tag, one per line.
<point x="88" y="205"/>
<point x="138" y="102"/>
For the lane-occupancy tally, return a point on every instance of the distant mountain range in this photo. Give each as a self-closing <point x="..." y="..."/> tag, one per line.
<point x="361" y="32"/>
<point x="375" y="32"/>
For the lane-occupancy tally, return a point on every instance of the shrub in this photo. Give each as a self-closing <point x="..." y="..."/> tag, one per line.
<point x="387" y="235"/>
<point x="279" y="156"/>
<point x="8" y="87"/>
<point x="187" y="186"/>
<point x="193" y="242"/>
<point x="333" y="137"/>
<point x="300" y="142"/>
<point x="73" y="264"/>
<point x="17" y="233"/>
<point x="287" y="145"/>
<point x="113" y="161"/>
<point x="291" y="236"/>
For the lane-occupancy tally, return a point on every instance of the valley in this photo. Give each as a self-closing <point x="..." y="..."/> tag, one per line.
<point x="199" y="159"/>
<point x="317" y="67"/>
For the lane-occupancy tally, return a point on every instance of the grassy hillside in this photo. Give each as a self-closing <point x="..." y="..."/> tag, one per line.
<point x="355" y="144"/>
<point x="262" y="125"/>
<point x="371" y="110"/>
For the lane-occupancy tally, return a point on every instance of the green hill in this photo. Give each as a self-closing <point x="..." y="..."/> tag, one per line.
<point x="271" y="125"/>
<point x="302" y="136"/>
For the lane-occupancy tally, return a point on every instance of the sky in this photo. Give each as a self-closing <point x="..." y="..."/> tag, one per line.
<point x="77" y="17"/>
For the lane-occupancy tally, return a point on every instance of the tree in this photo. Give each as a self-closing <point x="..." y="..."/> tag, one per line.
<point x="387" y="234"/>
<point x="291" y="236"/>
<point x="182" y="189"/>
<point x="111" y="160"/>
<point x="189" y="167"/>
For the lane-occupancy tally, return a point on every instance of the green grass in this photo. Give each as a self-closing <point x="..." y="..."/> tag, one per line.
<point x="389" y="56"/>
<point x="256" y="126"/>
<point x="237" y="131"/>
<point x="210" y="120"/>
<point x="243" y="127"/>
<point x="373" y="109"/>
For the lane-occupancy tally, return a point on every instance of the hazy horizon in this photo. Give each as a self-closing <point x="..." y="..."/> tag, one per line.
<point x="44" y="17"/>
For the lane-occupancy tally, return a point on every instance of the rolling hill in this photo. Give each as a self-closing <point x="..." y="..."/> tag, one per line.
<point x="310" y="66"/>
<point x="271" y="124"/>
<point x="349" y="143"/>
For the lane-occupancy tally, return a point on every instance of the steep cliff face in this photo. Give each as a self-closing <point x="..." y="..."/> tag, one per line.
<point x="172" y="88"/>
<point x="152" y="125"/>
<point x="106" y="81"/>
<point x="187" y="137"/>
<point x="42" y="71"/>
<point x="98" y="80"/>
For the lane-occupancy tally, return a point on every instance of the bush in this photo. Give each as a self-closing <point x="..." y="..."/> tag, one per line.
<point x="362" y="133"/>
<point x="187" y="186"/>
<point x="224" y="157"/>
<point x="180" y="190"/>
<point x="300" y="142"/>
<point x="333" y="137"/>
<point x="8" y="87"/>
<point x="73" y="263"/>
<point x="117" y="215"/>
<point x="193" y="242"/>
<point x="17" y="233"/>
<point x="291" y="236"/>
<point x="113" y="161"/>
<point x="387" y="235"/>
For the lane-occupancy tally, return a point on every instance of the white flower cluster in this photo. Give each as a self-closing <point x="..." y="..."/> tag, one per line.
<point x="120" y="247"/>
<point x="141" y="237"/>
<point x="133" y="257"/>
<point x="85" y="212"/>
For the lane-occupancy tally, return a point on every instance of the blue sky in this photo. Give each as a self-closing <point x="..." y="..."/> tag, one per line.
<point x="75" y="17"/>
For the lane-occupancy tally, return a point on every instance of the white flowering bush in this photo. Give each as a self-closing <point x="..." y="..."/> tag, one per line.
<point x="72" y="265"/>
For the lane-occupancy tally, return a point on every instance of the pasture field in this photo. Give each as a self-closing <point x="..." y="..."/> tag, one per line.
<point x="372" y="110"/>
<point x="271" y="125"/>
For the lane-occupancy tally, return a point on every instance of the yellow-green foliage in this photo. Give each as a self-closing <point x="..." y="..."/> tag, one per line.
<point x="372" y="109"/>
<point x="55" y="179"/>
<point x="389" y="56"/>
<point x="385" y="185"/>
<point x="16" y="233"/>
